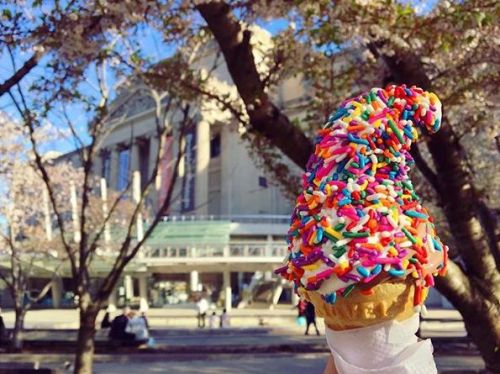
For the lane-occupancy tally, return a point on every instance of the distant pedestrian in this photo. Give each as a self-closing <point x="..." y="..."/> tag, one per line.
<point x="106" y="320"/>
<point x="212" y="320"/>
<point x="202" y="306"/>
<point x="301" y="315"/>
<point x="224" y="319"/>
<point x="310" y="315"/>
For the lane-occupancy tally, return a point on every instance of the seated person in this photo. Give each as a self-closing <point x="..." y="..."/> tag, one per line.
<point x="119" y="325"/>
<point x="137" y="326"/>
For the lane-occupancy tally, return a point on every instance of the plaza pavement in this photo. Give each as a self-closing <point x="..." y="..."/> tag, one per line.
<point x="283" y="316"/>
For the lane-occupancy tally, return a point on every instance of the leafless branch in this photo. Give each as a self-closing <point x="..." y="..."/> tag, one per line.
<point x="20" y="73"/>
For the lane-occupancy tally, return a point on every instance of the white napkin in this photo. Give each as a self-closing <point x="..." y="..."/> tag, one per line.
<point x="386" y="348"/>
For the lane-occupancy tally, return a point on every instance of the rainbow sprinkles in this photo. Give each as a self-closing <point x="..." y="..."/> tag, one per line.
<point x="358" y="217"/>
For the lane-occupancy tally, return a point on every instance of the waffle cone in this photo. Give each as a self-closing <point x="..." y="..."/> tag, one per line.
<point x="389" y="301"/>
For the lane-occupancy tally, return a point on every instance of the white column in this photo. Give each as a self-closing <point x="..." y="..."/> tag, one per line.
<point x="194" y="280"/>
<point x="74" y="213"/>
<point x="48" y="221"/>
<point x="129" y="287"/>
<point x="104" y="199"/>
<point x="136" y="193"/>
<point x="143" y="293"/>
<point x="276" y="294"/>
<point x="226" y="285"/>
<point x="115" y="163"/>
<point x="269" y="243"/>
<point x="202" y="161"/>
<point x="268" y="275"/>
<point x="97" y="166"/>
<point x="154" y="144"/>
<point x="135" y="155"/>
<point x="56" y="290"/>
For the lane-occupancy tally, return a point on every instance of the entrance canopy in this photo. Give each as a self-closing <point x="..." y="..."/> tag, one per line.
<point x="190" y="233"/>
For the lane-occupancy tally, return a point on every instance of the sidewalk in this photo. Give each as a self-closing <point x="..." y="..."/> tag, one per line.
<point x="215" y="364"/>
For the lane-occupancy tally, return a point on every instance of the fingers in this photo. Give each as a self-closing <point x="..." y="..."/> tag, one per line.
<point x="330" y="366"/>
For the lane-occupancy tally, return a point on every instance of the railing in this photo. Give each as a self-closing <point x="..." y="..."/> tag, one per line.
<point x="243" y="249"/>
<point x="239" y="218"/>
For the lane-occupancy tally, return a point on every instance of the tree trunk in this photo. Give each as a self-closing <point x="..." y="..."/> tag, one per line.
<point x="17" y="332"/>
<point x="480" y="314"/>
<point x="85" y="341"/>
<point x="480" y="307"/>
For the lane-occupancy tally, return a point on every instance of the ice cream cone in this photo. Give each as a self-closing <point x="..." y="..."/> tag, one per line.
<point x="391" y="300"/>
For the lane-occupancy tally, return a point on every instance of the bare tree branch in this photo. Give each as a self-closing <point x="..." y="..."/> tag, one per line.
<point x="20" y="73"/>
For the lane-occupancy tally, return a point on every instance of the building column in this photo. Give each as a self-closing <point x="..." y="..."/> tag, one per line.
<point x="115" y="165"/>
<point x="154" y="145"/>
<point x="104" y="201"/>
<point x="143" y="293"/>
<point x="202" y="163"/>
<point x="226" y="286"/>
<point x="136" y="195"/>
<point x="129" y="287"/>
<point x="97" y="166"/>
<point x="135" y="155"/>
<point x="269" y="245"/>
<point x="276" y="294"/>
<point x="56" y="289"/>
<point x="194" y="281"/>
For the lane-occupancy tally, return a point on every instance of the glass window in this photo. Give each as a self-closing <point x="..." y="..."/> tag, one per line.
<point x="215" y="146"/>
<point x="123" y="169"/>
<point x="144" y="162"/>
<point x="263" y="182"/>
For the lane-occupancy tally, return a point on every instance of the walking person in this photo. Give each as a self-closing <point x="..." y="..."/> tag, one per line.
<point x="212" y="320"/>
<point x="224" y="319"/>
<point x="310" y="315"/>
<point x="301" y="309"/>
<point x="202" y="306"/>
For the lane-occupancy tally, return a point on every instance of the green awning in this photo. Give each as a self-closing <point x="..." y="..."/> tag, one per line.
<point x="190" y="233"/>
